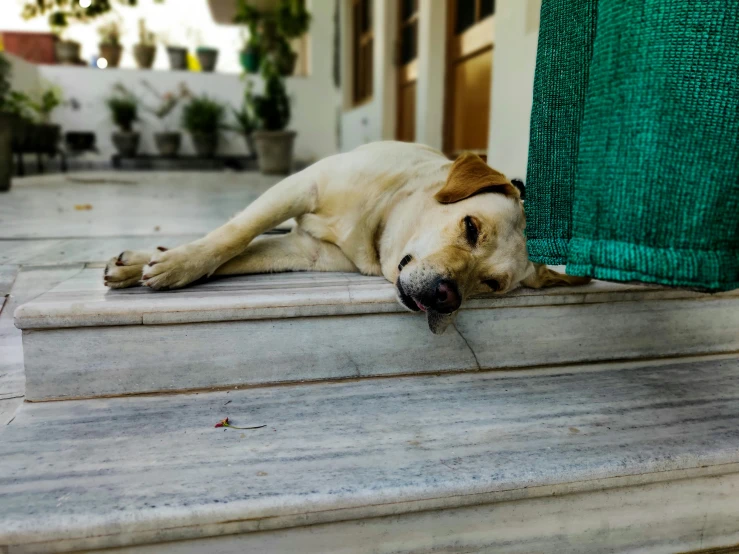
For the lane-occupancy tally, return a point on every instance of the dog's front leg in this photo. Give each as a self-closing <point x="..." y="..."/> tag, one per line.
<point x="292" y="197"/>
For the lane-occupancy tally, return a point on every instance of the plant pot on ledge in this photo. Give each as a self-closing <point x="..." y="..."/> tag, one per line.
<point x="250" y="59"/>
<point x="203" y="118"/>
<point x="67" y="52"/>
<point x="111" y="53"/>
<point x="208" y="58"/>
<point x="275" y="151"/>
<point x="177" y="58"/>
<point x="145" y="55"/>
<point x="206" y="144"/>
<point x="127" y="143"/>
<point x="168" y="143"/>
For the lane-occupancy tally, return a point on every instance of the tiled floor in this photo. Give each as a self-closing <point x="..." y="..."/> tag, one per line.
<point x="51" y="226"/>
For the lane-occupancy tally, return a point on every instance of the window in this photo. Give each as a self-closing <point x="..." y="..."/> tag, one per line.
<point x="470" y="12"/>
<point x="362" y="41"/>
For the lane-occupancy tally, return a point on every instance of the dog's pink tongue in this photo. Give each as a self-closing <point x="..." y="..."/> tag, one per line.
<point x="420" y="306"/>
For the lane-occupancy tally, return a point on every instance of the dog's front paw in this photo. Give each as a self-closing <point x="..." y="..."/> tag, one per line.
<point x="125" y="270"/>
<point x="176" y="268"/>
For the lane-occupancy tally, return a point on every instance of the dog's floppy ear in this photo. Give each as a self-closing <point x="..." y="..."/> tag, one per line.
<point x="469" y="176"/>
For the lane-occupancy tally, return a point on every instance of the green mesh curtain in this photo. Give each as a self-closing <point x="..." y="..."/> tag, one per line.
<point x="634" y="156"/>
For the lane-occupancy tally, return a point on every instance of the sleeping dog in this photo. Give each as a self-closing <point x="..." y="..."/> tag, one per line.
<point x="441" y="231"/>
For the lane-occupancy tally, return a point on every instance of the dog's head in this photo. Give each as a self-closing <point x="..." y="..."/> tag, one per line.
<point x="469" y="241"/>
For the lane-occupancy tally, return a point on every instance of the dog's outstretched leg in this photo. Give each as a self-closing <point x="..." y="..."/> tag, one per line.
<point x="296" y="251"/>
<point x="292" y="197"/>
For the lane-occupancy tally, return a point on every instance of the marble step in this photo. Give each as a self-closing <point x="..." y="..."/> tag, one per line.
<point x="81" y="340"/>
<point x="618" y="457"/>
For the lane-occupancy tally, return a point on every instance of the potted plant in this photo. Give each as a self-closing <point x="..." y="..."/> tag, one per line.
<point x="146" y="50"/>
<point x="245" y="120"/>
<point x="18" y="106"/>
<point x="208" y="58"/>
<point x="272" y="109"/>
<point x="123" y="108"/>
<point x="273" y="29"/>
<point x="61" y="11"/>
<point x="46" y="135"/>
<point x="177" y="58"/>
<point x="250" y="56"/>
<point x="168" y="142"/>
<point x="203" y="119"/>
<point x="7" y="122"/>
<point x="110" y="43"/>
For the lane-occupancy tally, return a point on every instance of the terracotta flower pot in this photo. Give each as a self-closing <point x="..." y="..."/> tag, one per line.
<point x="275" y="151"/>
<point x="145" y="55"/>
<point x="223" y="11"/>
<point x="111" y="53"/>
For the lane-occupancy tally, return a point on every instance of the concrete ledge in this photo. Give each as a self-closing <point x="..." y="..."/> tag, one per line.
<point x="307" y="327"/>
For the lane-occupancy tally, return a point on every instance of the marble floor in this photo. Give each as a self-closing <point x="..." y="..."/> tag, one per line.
<point x="53" y="226"/>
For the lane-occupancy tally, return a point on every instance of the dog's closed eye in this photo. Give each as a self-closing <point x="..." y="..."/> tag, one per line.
<point x="471" y="230"/>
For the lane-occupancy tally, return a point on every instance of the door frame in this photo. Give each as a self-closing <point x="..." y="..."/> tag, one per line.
<point x="407" y="74"/>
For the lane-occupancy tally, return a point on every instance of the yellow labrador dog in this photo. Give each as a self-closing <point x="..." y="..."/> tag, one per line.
<point x="441" y="231"/>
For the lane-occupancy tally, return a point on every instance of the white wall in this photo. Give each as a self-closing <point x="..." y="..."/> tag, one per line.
<point x="375" y="119"/>
<point x="314" y="98"/>
<point x="24" y="76"/>
<point x="516" y="34"/>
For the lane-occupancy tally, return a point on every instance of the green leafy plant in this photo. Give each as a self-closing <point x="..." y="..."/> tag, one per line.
<point x="19" y="104"/>
<point x="110" y="34"/>
<point x="271" y="31"/>
<point x="146" y="37"/>
<point x="50" y="99"/>
<point x="5" y="73"/>
<point x="62" y="12"/>
<point x="201" y="115"/>
<point x="124" y="108"/>
<point x="246" y="121"/>
<point x="292" y="18"/>
<point x="272" y="108"/>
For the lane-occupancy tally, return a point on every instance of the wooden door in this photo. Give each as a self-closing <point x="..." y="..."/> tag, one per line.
<point x="407" y="54"/>
<point x="468" y="75"/>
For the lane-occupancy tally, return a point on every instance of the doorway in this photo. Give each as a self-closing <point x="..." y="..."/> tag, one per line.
<point x="468" y="75"/>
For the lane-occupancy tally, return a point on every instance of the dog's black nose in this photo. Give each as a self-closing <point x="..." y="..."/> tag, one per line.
<point x="446" y="297"/>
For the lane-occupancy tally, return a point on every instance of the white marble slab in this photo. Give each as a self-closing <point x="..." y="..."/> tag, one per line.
<point x="29" y="283"/>
<point x="165" y="354"/>
<point x="702" y="515"/>
<point x="85" y="301"/>
<point x="7" y="277"/>
<point x="126" y="204"/>
<point x="132" y="471"/>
